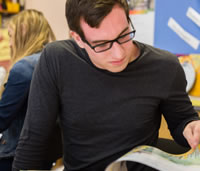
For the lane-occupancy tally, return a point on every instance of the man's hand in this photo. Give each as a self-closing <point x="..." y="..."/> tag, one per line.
<point x="192" y="133"/>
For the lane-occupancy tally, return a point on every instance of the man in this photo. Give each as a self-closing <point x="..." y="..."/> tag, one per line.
<point x="108" y="90"/>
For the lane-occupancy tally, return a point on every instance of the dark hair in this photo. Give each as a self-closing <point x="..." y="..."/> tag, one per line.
<point x="92" y="11"/>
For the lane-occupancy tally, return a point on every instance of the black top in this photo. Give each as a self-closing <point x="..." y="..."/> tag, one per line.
<point x="103" y="115"/>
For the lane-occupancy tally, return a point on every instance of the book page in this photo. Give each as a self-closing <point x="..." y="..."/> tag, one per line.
<point x="158" y="159"/>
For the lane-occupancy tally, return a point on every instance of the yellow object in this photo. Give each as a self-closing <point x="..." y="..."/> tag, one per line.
<point x="189" y="69"/>
<point x="195" y="91"/>
<point x="4" y="45"/>
<point x="195" y="101"/>
<point x="194" y="59"/>
<point x="12" y="7"/>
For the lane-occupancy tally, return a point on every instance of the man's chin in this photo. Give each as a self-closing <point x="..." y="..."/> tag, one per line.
<point x="117" y="69"/>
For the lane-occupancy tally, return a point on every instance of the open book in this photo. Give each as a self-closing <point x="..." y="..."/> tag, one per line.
<point x="158" y="159"/>
<point x="155" y="158"/>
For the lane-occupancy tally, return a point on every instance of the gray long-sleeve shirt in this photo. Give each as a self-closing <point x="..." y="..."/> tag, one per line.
<point x="103" y="115"/>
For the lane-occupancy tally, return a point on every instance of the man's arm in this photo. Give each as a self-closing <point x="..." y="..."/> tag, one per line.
<point x="43" y="108"/>
<point x="177" y="108"/>
<point x="192" y="133"/>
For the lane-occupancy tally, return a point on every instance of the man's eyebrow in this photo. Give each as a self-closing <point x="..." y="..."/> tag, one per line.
<point x="104" y="41"/>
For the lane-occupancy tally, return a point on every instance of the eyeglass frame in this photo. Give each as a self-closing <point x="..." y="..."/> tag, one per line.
<point x="112" y="41"/>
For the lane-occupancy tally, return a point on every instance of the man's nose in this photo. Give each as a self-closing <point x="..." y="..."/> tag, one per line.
<point x="117" y="51"/>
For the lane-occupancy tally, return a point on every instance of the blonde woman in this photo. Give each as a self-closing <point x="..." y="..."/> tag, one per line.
<point x="29" y="32"/>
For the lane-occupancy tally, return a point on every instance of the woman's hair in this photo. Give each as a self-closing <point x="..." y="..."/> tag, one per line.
<point x="92" y="11"/>
<point x="31" y="32"/>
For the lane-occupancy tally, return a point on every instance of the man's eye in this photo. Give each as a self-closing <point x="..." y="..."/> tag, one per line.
<point x="124" y="36"/>
<point x="103" y="45"/>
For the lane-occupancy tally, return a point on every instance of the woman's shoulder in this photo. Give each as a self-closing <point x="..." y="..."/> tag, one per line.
<point x="26" y="62"/>
<point x="25" y="66"/>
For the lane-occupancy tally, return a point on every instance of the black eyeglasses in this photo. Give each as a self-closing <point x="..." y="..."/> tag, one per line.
<point x="107" y="45"/>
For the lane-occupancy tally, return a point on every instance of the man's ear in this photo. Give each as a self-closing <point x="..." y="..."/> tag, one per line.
<point x="77" y="39"/>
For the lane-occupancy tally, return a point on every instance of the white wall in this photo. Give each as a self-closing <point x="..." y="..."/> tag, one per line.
<point x="144" y="25"/>
<point x="54" y="11"/>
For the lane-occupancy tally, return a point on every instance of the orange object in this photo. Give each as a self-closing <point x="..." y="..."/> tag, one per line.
<point x="195" y="91"/>
<point x="12" y="7"/>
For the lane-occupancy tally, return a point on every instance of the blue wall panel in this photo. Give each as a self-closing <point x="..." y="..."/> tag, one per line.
<point x="167" y="39"/>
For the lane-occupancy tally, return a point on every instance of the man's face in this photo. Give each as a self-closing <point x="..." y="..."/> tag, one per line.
<point x="115" y="24"/>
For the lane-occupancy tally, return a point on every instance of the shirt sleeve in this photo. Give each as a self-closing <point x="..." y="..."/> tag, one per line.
<point x="177" y="107"/>
<point x="14" y="91"/>
<point x="43" y="108"/>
